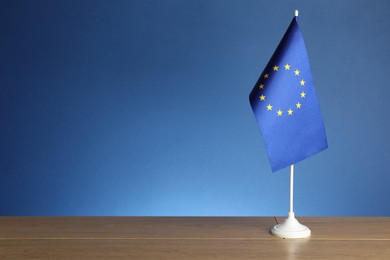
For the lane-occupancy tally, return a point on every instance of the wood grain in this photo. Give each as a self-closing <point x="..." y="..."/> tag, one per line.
<point x="135" y="227"/>
<point x="354" y="228"/>
<point x="189" y="238"/>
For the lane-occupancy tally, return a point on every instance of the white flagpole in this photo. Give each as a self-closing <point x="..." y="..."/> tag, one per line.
<point x="291" y="228"/>
<point x="292" y="188"/>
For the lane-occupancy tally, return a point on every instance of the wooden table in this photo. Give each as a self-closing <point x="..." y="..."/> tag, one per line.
<point x="189" y="238"/>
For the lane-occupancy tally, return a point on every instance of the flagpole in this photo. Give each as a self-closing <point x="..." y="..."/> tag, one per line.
<point x="291" y="228"/>
<point x="292" y="188"/>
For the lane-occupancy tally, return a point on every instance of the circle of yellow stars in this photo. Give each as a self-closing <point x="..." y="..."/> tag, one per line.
<point x="298" y="105"/>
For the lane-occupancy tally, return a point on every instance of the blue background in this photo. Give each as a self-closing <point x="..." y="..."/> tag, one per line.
<point x="141" y="107"/>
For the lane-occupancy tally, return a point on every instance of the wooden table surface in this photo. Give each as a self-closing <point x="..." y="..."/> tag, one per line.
<point x="190" y="238"/>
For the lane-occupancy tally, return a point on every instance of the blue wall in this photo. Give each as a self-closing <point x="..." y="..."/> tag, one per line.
<point x="141" y="107"/>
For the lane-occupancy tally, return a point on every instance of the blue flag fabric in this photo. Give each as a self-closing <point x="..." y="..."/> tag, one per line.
<point x="285" y="104"/>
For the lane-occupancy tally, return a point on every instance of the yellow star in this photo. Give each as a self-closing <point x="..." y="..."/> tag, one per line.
<point x="290" y="112"/>
<point x="298" y="105"/>
<point x="262" y="97"/>
<point x="266" y="75"/>
<point x="302" y="82"/>
<point x="261" y="86"/>
<point x="280" y="112"/>
<point x="303" y="94"/>
<point x="276" y="68"/>
<point x="287" y="67"/>
<point x="269" y="107"/>
<point x="297" y="72"/>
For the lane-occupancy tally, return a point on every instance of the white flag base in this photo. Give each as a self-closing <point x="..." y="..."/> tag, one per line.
<point x="291" y="228"/>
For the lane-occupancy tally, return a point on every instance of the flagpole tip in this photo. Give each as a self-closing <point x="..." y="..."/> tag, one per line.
<point x="296" y="12"/>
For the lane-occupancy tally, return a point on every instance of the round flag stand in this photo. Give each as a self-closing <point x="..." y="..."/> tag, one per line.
<point x="291" y="228"/>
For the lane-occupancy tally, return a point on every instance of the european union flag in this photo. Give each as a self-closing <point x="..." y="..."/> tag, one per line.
<point x="285" y="104"/>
